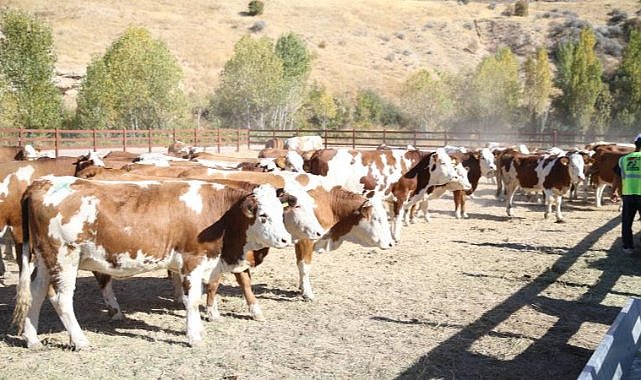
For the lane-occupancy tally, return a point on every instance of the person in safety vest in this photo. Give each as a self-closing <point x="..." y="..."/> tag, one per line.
<point x="630" y="170"/>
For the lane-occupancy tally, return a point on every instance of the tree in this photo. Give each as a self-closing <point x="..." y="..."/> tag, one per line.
<point x="320" y="107"/>
<point x="629" y="82"/>
<point x="135" y="85"/>
<point x="492" y="96"/>
<point x="250" y="83"/>
<point x="296" y="68"/>
<point x="8" y="105"/>
<point x="538" y="88"/>
<point x="427" y="101"/>
<point x="579" y="77"/>
<point x="27" y="63"/>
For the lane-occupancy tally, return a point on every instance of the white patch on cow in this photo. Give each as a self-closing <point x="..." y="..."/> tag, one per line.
<point x="577" y="165"/>
<point x="29" y="152"/>
<point x="95" y="157"/>
<point x="4" y="186"/>
<point x="443" y="171"/>
<point x="268" y="229"/>
<point x="487" y="162"/>
<point x="59" y="190"/>
<point x="25" y="173"/>
<point x="295" y="161"/>
<point x="460" y="182"/>
<point x="268" y="164"/>
<point x="301" y="220"/>
<point x="192" y="197"/>
<point x="69" y="232"/>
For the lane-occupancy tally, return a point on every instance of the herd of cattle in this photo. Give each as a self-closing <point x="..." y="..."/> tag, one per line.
<point x="199" y="215"/>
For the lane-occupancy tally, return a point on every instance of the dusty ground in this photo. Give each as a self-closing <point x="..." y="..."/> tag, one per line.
<point x="488" y="297"/>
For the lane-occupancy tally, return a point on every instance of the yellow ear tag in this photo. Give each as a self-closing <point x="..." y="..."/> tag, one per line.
<point x="285" y="204"/>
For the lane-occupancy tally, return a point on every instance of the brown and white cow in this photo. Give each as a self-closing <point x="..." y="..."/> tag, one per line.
<point x="15" y="177"/>
<point x="601" y="171"/>
<point x="196" y="228"/>
<point x="551" y="174"/>
<point x="378" y="170"/>
<point x="303" y="143"/>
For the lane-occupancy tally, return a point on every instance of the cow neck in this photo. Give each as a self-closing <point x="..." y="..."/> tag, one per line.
<point x="345" y="206"/>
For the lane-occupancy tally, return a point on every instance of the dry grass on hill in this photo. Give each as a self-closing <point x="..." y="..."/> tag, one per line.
<point x="356" y="44"/>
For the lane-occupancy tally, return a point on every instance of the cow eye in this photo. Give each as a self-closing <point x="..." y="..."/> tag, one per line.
<point x="433" y="167"/>
<point x="263" y="218"/>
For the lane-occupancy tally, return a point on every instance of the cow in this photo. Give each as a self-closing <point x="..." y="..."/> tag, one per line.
<point x="15" y="177"/>
<point x="551" y="174"/>
<point x="121" y="229"/>
<point x="275" y="143"/>
<point x="460" y="187"/>
<point x="378" y="170"/>
<point x="303" y="143"/>
<point x="601" y="171"/>
<point x="18" y="153"/>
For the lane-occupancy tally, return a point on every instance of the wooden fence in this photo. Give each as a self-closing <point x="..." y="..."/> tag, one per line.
<point x="235" y="139"/>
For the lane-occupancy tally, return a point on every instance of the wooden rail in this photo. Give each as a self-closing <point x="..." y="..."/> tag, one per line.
<point x="225" y="138"/>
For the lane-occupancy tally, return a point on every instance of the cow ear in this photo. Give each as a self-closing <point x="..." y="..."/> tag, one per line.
<point x="565" y="161"/>
<point x="281" y="162"/>
<point x="249" y="207"/>
<point x="370" y="194"/>
<point x="366" y="210"/>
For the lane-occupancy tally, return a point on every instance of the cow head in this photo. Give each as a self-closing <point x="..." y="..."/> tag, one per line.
<point x="367" y="226"/>
<point x="441" y="168"/>
<point x="267" y="228"/>
<point x="487" y="162"/>
<point x="86" y="161"/>
<point x="300" y="216"/>
<point x="461" y="182"/>
<point x="577" y="167"/>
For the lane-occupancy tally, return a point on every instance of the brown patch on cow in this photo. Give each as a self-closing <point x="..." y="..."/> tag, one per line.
<point x="559" y="176"/>
<point x="525" y="167"/>
<point x="318" y="162"/>
<point x="302" y="179"/>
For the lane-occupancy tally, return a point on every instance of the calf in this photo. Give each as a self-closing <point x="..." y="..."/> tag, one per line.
<point x="122" y="229"/>
<point x="601" y="172"/>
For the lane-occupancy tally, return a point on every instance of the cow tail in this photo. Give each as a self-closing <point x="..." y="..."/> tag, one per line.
<point x="23" y="293"/>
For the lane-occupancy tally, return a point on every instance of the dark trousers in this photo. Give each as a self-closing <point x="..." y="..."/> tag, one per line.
<point x="631" y="205"/>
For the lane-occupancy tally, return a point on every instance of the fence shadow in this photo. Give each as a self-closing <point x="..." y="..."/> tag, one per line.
<point x="551" y="354"/>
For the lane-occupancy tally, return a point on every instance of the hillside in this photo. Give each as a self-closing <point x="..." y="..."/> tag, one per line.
<point x="356" y="44"/>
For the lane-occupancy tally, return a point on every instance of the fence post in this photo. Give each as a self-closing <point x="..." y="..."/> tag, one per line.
<point x="249" y="145"/>
<point x="149" y="139"/>
<point x="56" y="143"/>
<point x="93" y="138"/>
<point x="384" y="136"/>
<point x="445" y="137"/>
<point x="20" y="133"/>
<point x="554" y="137"/>
<point x="196" y="136"/>
<point x="414" y="140"/>
<point x="238" y="139"/>
<point x="218" y="140"/>
<point x="297" y="132"/>
<point x="353" y="138"/>
<point x="173" y="134"/>
<point x="325" y="137"/>
<point x="479" y="141"/>
<point x="124" y="140"/>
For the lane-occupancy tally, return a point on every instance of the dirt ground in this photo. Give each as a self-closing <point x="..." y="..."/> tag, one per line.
<point x="486" y="297"/>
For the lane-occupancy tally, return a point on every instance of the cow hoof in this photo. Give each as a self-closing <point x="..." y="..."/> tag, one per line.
<point x="465" y="216"/>
<point x="35" y="346"/>
<point x="81" y="345"/>
<point x="560" y="221"/>
<point x="256" y="313"/>
<point x="116" y="315"/>
<point x="545" y="216"/>
<point x="195" y="342"/>
<point x="213" y="317"/>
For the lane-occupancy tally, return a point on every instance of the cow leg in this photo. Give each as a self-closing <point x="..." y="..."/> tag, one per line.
<point x="62" y="300"/>
<point x="192" y="291"/>
<point x="304" y="251"/>
<point x="178" y="286"/>
<point x="457" y="203"/>
<point x="2" y="267"/>
<point x="548" y="202"/>
<point x="39" y="287"/>
<point x="459" y="196"/>
<point x="424" y="207"/>
<point x="211" y="309"/>
<point x="559" y="199"/>
<point x="509" y="199"/>
<point x="108" y="295"/>
<point x="244" y="280"/>
<point x="599" y="193"/>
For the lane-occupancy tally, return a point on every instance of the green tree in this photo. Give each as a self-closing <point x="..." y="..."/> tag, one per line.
<point x="492" y="97"/>
<point x="579" y="77"/>
<point x="135" y="85"/>
<point x="319" y="109"/>
<point x="628" y="82"/>
<point x="296" y="68"/>
<point x="250" y="84"/>
<point x="538" y="87"/>
<point x="369" y="108"/>
<point x="426" y="101"/>
<point x="8" y="105"/>
<point x="27" y="62"/>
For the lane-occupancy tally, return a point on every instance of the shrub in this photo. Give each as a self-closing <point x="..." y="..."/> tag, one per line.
<point x="521" y="8"/>
<point x="256" y="8"/>
<point x="258" y="26"/>
<point x="508" y="11"/>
